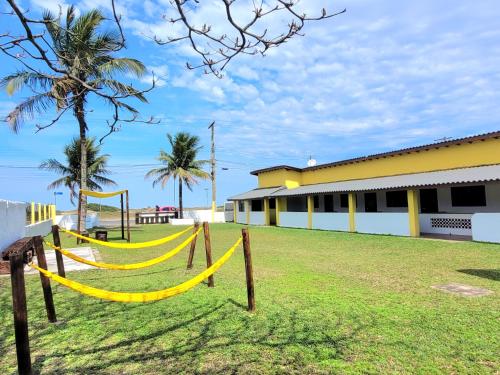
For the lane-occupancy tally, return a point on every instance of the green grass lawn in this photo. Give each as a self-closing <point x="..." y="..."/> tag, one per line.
<point x="327" y="302"/>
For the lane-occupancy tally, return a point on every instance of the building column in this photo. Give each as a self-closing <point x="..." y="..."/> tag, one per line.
<point x="32" y="212"/>
<point x="352" y="212"/>
<point x="413" y="213"/>
<point x="267" y="213"/>
<point x="278" y="208"/>
<point x="310" y="209"/>
<point x="247" y="209"/>
<point x="235" y="212"/>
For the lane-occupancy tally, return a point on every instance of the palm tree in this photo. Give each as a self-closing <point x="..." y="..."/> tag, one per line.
<point x="180" y="164"/>
<point x="71" y="171"/>
<point x="84" y="50"/>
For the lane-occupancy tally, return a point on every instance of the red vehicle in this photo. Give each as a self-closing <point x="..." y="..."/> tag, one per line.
<point x="166" y="209"/>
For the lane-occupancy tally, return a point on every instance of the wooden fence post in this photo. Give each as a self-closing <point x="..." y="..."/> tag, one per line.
<point x="208" y="251"/>
<point x="59" y="257"/>
<point x="193" y="247"/>
<point x="20" y="311"/>
<point x="47" y="290"/>
<point x="248" y="269"/>
<point x="128" y="217"/>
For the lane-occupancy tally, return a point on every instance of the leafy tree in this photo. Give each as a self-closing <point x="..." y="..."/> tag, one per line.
<point x="83" y="64"/>
<point x="180" y="164"/>
<point x="71" y="171"/>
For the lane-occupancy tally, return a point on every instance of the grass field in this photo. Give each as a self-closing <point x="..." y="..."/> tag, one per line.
<point x="326" y="303"/>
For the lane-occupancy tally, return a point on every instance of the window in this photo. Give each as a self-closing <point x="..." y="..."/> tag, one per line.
<point x="297" y="204"/>
<point x="429" y="201"/>
<point x="316" y="201"/>
<point x="329" y="203"/>
<point x="344" y="201"/>
<point x="241" y="206"/>
<point x="256" y="205"/>
<point x="370" y="202"/>
<point x="272" y="203"/>
<point x="468" y="196"/>
<point x="397" y="198"/>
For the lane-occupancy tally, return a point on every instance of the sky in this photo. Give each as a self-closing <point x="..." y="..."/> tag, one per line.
<point x="384" y="75"/>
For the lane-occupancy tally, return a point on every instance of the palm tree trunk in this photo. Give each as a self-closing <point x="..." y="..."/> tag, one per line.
<point x="80" y="115"/>
<point x="181" y="211"/>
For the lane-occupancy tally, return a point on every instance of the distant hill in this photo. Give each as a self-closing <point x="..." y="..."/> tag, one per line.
<point x="103" y="208"/>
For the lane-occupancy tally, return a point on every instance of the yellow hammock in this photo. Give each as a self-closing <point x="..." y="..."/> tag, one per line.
<point x="135" y="245"/>
<point x="131" y="266"/>
<point x="98" y="194"/>
<point x="140" y="297"/>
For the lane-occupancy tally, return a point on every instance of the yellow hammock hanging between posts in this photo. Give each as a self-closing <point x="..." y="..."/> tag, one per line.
<point x="145" y="296"/>
<point x="98" y="194"/>
<point x="130" y="266"/>
<point x="135" y="245"/>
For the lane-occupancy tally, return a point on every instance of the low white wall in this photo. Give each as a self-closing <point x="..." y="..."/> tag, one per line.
<point x="12" y="222"/>
<point x="330" y="221"/>
<point x="293" y="219"/>
<point x="383" y="223"/>
<point x="486" y="227"/>
<point x="204" y="215"/>
<point x="257" y="218"/>
<point x="182" y="221"/>
<point x="241" y="217"/>
<point x="426" y="224"/>
<point x="70" y="222"/>
<point x="39" y="229"/>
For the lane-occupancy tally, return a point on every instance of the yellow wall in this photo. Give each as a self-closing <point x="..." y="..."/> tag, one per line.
<point x="455" y="156"/>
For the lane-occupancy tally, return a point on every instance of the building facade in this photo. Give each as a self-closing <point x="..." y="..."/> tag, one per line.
<point x="446" y="188"/>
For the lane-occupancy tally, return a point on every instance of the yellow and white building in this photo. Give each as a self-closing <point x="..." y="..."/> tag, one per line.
<point x="446" y="188"/>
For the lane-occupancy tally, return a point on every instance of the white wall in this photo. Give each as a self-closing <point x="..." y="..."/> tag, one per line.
<point x="492" y="190"/>
<point x="257" y="218"/>
<point x="241" y="217"/>
<point x="486" y="227"/>
<point x="204" y="215"/>
<point x="426" y="225"/>
<point x="383" y="223"/>
<point x="330" y="221"/>
<point x="41" y="228"/>
<point x="70" y="222"/>
<point x="293" y="219"/>
<point x="12" y="222"/>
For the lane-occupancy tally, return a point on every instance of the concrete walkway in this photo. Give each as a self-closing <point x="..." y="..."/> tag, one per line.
<point x="69" y="264"/>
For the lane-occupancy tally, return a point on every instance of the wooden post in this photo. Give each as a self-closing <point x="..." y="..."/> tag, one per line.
<point x="208" y="251"/>
<point x="59" y="257"/>
<point x="20" y="311"/>
<point x="248" y="269"/>
<point x="47" y="290"/>
<point x="123" y="217"/>
<point x="192" y="248"/>
<point x="128" y="219"/>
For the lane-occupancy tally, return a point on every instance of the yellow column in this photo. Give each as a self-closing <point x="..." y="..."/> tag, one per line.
<point x="352" y="212"/>
<point x="413" y="213"/>
<point x="39" y="212"/>
<point x="278" y="211"/>
<point x="247" y="208"/>
<point x="235" y="213"/>
<point x="32" y="212"/>
<point x="267" y="213"/>
<point x="53" y="214"/>
<point x="44" y="212"/>
<point x="310" y="208"/>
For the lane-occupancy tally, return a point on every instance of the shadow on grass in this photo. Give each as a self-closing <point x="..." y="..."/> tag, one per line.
<point x="492" y="274"/>
<point x="214" y="339"/>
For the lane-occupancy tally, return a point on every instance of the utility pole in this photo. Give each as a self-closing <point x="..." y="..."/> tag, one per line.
<point x="212" y="163"/>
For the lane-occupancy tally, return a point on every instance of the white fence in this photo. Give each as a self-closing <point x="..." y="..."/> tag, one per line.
<point x="12" y="222"/>
<point x="41" y="228"/>
<point x="204" y="215"/>
<point x="257" y="218"/>
<point x="330" y="221"/>
<point x="394" y="223"/>
<point x="486" y="227"/>
<point x="293" y="219"/>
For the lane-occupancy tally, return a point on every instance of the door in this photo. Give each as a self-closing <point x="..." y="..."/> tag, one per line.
<point x="370" y="202"/>
<point x="429" y="201"/>
<point x="272" y="211"/>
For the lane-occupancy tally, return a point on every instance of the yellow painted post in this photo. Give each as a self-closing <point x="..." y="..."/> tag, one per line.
<point x="53" y="214"/>
<point x="267" y="212"/>
<point x="413" y="213"/>
<point x="310" y="208"/>
<point x="44" y="212"/>
<point x="247" y="208"/>
<point x="32" y="212"/>
<point x="39" y="212"/>
<point x="278" y="207"/>
<point x="235" y="213"/>
<point x="352" y="212"/>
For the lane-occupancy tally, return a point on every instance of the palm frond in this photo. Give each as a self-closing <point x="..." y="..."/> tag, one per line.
<point x="35" y="104"/>
<point x="15" y="82"/>
<point x="124" y="66"/>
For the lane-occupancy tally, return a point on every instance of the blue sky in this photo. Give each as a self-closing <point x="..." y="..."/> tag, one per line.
<point x="384" y="75"/>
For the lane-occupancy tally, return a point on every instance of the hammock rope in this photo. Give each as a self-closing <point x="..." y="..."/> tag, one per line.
<point x="144" y="296"/>
<point x="130" y="266"/>
<point x="133" y="245"/>
<point x="98" y="194"/>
